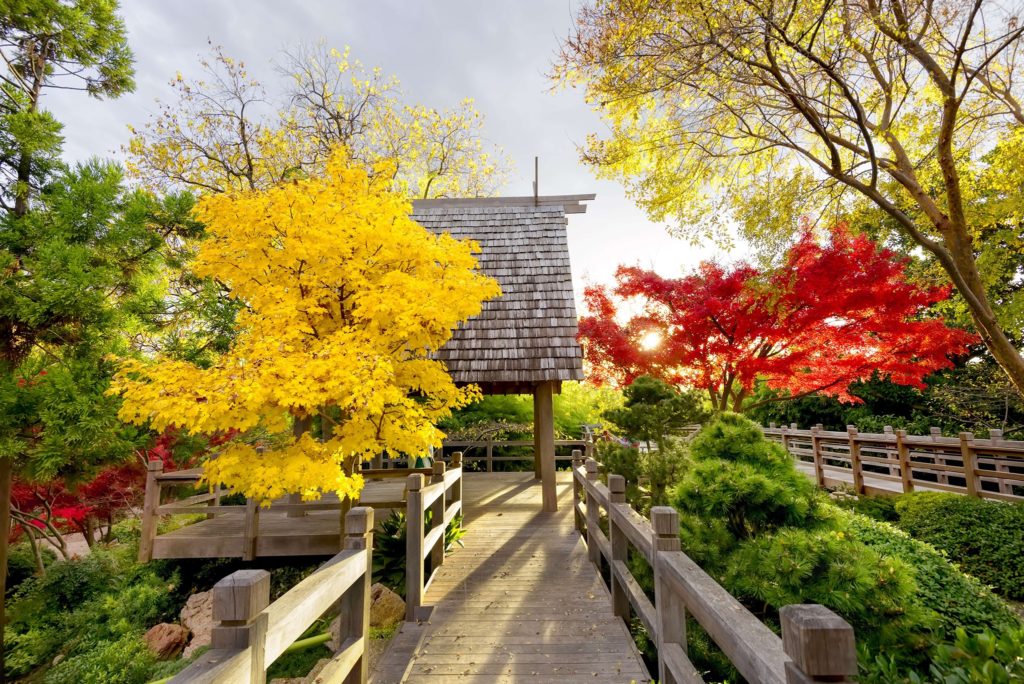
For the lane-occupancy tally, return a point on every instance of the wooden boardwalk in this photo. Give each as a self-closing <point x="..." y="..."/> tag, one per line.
<point x="520" y="603"/>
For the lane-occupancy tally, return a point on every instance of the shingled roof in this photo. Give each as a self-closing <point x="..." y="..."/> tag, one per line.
<point x="528" y="335"/>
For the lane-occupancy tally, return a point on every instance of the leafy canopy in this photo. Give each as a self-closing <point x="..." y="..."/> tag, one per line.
<point x="224" y="132"/>
<point x="766" y="110"/>
<point x="830" y="315"/>
<point x="345" y="297"/>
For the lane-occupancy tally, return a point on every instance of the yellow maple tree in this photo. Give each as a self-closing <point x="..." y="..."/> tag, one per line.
<point x="345" y="297"/>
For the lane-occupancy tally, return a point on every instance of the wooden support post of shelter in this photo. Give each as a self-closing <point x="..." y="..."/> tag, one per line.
<point x="523" y="342"/>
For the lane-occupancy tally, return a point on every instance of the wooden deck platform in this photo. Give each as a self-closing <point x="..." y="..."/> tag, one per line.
<point x="520" y="603"/>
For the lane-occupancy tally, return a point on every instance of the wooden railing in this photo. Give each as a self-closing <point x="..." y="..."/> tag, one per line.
<point x="482" y="450"/>
<point x="816" y="644"/>
<point x="894" y="462"/>
<point x="248" y="539"/>
<point x="424" y="540"/>
<point x="252" y="632"/>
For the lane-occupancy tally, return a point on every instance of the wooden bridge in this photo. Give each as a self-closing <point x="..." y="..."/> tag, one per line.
<point x="893" y="462"/>
<point x="533" y="597"/>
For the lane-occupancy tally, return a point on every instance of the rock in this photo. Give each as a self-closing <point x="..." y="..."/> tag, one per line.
<point x="166" y="640"/>
<point x="386" y="607"/>
<point x="197" y="617"/>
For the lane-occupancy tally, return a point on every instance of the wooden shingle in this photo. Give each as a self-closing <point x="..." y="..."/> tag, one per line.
<point x="528" y="335"/>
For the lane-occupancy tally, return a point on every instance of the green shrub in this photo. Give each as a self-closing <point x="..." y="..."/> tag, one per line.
<point x="745" y="481"/>
<point x="960" y="600"/>
<point x="980" y="658"/>
<point x="984" y="537"/>
<point x="876" y="595"/>
<point x="123" y="661"/>
<point x="881" y="508"/>
<point x="765" y="532"/>
<point x="389" y="549"/>
<point x="21" y="564"/>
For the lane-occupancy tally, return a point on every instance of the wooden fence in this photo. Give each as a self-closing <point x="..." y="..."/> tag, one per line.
<point x="243" y="539"/>
<point x="251" y="633"/>
<point x="429" y="510"/>
<point x="483" y="451"/>
<point x="816" y="644"/>
<point x="893" y="462"/>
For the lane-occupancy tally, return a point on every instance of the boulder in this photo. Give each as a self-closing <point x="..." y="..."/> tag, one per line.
<point x="386" y="607"/>
<point x="197" y="617"/>
<point x="166" y="640"/>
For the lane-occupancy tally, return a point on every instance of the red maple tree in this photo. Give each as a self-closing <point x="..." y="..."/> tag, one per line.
<point x="832" y="314"/>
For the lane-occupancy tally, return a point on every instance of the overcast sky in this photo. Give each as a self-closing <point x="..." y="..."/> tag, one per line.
<point x="442" y="51"/>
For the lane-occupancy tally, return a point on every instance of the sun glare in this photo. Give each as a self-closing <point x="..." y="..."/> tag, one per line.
<point x="650" y="340"/>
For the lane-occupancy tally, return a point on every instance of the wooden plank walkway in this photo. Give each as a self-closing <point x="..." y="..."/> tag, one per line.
<point x="520" y="603"/>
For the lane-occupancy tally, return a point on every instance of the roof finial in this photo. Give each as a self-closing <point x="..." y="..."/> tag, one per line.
<point x="536" y="181"/>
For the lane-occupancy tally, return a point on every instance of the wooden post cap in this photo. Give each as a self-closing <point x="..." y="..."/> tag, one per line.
<point x="820" y="642"/>
<point x="966" y="436"/>
<point x="591" y="469"/>
<point x="456" y="459"/>
<point x="414" y="482"/>
<point x="155" y="465"/>
<point x="240" y="596"/>
<point x="851" y="429"/>
<point x="440" y="467"/>
<point x="617" y="484"/>
<point x="665" y="521"/>
<point x="577" y="455"/>
<point x="359" y="521"/>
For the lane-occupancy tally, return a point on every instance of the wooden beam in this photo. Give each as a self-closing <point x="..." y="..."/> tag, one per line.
<point x="571" y="204"/>
<point x="544" y="443"/>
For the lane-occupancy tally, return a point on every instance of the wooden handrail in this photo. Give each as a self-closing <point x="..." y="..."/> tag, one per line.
<point x="443" y="498"/>
<point x="816" y="644"/>
<point x="252" y="632"/>
<point x="985" y="468"/>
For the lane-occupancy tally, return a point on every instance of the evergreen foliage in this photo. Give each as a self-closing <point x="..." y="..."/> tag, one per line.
<point x="985" y="537"/>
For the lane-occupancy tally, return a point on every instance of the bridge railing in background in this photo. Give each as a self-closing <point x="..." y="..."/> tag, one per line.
<point x="894" y="462"/>
<point x="816" y="644"/>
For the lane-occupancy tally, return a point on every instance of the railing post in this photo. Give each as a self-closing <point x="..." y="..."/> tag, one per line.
<point x="150" y="504"/>
<point x="855" y="464"/>
<point x="238" y="603"/>
<point x="593" y="516"/>
<point x="490" y="454"/>
<point x="354" y="617"/>
<point x="996" y="436"/>
<point x="414" y="514"/>
<point x="457" y="485"/>
<point x="820" y="643"/>
<point x="970" y="464"/>
<point x="588" y="450"/>
<point x="819" y="470"/>
<point x="906" y="470"/>
<point x="577" y="490"/>
<point x="250" y="529"/>
<point x="785" y="440"/>
<point x="619" y="544"/>
<point x="670" y="607"/>
<point x="437" y="510"/>
<point x="941" y="476"/>
<point x="894" y="468"/>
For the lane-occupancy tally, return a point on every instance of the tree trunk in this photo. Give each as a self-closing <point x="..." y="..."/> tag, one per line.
<point x="37" y="554"/>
